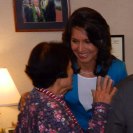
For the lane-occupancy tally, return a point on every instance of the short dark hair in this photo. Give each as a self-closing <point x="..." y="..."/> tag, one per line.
<point x="47" y="62"/>
<point x="98" y="31"/>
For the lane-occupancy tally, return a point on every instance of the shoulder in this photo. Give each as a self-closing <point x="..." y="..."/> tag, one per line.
<point x="126" y="84"/>
<point x="117" y="62"/>
<point x="118" y="67"/>
<point x="125" y="91"/>
<point x="122" y="100"/>
<point x="117" y="71"/>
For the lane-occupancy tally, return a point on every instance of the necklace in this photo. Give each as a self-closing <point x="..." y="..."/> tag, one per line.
<point x="86" y="73"/>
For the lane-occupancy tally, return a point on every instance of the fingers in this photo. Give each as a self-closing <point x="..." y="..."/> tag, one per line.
<point x="93" y="93"/>
<point x="98" y="86"/>
<point x="104" y="90"/>
<point x="106" y="84"/>
<point x="105" y="81"/>
<point x="113" y="91"/>
<point x="109" y="85"/>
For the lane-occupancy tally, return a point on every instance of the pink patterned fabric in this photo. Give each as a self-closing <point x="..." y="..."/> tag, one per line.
<point x="46" y="113"/>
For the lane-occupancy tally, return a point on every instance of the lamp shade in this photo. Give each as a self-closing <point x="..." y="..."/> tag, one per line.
<point x="9" y="94"/>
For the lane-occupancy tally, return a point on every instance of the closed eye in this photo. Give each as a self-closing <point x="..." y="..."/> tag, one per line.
<point x="75" y="41"/>
<point x="87" y="41"/>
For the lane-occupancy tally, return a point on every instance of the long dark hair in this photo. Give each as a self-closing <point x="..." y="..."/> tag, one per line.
<point x="98" y="32"/>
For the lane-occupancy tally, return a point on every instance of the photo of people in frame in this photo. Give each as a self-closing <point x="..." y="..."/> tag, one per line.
<point x="36" y="11"/>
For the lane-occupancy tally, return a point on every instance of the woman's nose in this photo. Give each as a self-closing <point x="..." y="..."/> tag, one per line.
<point x="80" y="47"/>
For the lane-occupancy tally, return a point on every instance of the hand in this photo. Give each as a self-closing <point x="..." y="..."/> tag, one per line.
<point x="23" y="100"/>
<point x="104" y="90"/>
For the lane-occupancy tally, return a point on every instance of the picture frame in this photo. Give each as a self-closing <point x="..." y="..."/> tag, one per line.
<point x="118" y="46"/>
<point x="52" y="16"/>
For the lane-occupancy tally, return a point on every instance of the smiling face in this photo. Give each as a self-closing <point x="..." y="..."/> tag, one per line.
<point x="81" y="46"/>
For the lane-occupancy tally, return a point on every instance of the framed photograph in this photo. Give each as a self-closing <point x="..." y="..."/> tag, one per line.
<point x="40" y="15"/>
<point x="118" y="46"/>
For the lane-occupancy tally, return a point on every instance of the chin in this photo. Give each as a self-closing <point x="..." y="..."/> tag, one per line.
<point x="83" y="60"/>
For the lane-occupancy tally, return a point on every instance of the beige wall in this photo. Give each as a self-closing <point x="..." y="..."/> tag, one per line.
<point x="16" y="46"/>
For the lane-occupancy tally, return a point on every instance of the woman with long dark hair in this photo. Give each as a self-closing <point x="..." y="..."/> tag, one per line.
<point x="87" y="35"/>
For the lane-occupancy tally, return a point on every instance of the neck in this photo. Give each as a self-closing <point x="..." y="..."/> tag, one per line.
<point x="57" y="89"/>
<point x="88" y="66"/>
<point x="52" y="90"/>
<point x="86" y="73"/>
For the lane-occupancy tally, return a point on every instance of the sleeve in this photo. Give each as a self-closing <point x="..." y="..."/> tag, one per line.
<point x="99" y="117"/>
<point x="22" y="101"/>
<point x="116" y="122"/>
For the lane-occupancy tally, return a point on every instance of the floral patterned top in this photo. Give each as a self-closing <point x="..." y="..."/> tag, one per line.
<point x="46" y="113"/>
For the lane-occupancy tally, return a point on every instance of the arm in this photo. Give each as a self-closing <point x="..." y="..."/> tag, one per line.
<point x="116" y="122"/>
<point x="22" y="101"/>
<point x="120" y="119"/>
<point x="99" y="117"/>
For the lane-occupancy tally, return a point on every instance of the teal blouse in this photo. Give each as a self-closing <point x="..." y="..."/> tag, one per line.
<point x="117" y="72"/>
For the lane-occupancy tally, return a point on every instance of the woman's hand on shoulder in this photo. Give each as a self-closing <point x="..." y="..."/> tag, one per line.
<point x="23" y="101"/>
<point x="104" y="90"/>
